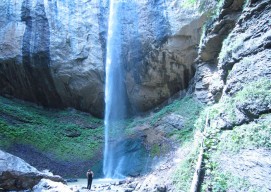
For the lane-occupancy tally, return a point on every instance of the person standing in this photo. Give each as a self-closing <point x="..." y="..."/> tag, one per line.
<point x="90" y="176"/>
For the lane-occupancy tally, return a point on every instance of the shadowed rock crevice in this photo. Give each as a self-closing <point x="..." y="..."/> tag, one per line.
<point x="208" y="79"/>
<point x="36" y="56"/>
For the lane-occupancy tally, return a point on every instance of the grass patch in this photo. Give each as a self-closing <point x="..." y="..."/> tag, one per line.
<point x="256" y="133"/>
<point x="49" y="130"/>
<point x="189" y="3"/>
<point x="259" y="90"/>
<point x="183" y="176"/>
<point x="223" y="181"/>
<point x="188" y="107"/>
<point x="253" y="135"/>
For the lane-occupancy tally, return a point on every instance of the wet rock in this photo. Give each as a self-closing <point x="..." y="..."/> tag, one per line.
<point x="52" y="53"/>
<point x="71" y="180"/>
<point x="161" y="189"/>
<point x="160" y="62"/>
<point x="128" y="189"/>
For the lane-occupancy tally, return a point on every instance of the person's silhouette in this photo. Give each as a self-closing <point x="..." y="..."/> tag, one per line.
<point x="90" y="176"/>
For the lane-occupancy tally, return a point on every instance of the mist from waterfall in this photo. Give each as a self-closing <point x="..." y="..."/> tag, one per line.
<point x="115" y="99"/>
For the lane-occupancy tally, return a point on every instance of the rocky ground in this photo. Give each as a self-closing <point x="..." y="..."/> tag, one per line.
<point x="160" y="179"/>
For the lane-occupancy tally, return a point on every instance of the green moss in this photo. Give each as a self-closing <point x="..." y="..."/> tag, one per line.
<point x="255" y="134"/>
<point x="258" y="90"/>
<point x="252" y="135"/>
<point x="46" y="130"/>
<point x="187" y="107"/>
<point x="155" y="150"/>
<point x="221" y="181"/>
<point x="189" y="3"/>
<point x="173" y="107"/>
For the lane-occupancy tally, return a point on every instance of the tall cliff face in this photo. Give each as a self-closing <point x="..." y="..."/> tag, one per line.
<point x="237" y="77"/>
<point x="161" y="42"/>
<point x="53" y="52"/>
<point x="235" y="50"/>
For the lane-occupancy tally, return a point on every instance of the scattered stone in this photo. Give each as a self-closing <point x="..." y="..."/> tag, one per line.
<point x="128" y="189"/>
<point x="161" y="189"/>
<point x="72" y="133"/>
<point x="121" y="182"/>
<point x="71" y="180"/>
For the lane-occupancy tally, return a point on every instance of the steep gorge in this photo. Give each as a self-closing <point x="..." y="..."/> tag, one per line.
<point x="232" y="77"/>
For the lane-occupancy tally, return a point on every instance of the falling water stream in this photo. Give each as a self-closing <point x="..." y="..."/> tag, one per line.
<point x="114" y="90"/>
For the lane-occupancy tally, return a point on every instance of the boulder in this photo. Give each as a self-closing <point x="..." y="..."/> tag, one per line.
<point x="46" y="185"/>
<point x="16" y="174"/>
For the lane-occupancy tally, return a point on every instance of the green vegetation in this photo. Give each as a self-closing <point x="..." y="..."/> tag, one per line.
<point x="259" y="90"/>
<point x="65" y="134"/>
<point x="252" y="135"/>
<point x="155" y="150"/>
<point x="189" y="109"/>
<point x="222" y="181"/>
<point x="189" y="3"/>
<point x="183" y="176"/>
<point x="229" y="46"/>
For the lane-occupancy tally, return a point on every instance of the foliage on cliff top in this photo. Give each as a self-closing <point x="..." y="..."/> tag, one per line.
<point x="65" y="134"/>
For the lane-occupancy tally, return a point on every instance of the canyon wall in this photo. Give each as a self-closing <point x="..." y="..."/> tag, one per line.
<point x="53" y="52"/>
<point x="235" y="50"/>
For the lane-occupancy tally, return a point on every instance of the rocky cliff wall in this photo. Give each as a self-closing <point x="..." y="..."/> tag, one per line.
<point x="53" y="52"/>
<point x="161" y="43"/>
<point x="235" y="50"/>
<point x="234" y="71"/>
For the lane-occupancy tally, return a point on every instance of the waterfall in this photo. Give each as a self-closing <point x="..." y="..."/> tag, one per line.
<point x="115" y="100"/>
